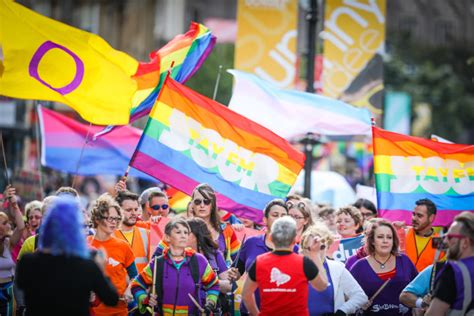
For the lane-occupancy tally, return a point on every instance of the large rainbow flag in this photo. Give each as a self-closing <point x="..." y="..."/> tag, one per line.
<point x="186" y="52"/>
<point x="190" y="139"/>
<point x="410" y="168"/>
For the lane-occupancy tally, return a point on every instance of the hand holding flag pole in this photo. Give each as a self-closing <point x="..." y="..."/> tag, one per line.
<point x="150" y="309"/>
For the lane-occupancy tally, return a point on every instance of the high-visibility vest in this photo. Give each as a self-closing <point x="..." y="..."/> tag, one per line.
<point x="425" y="257"/>
<point x="140" y="245"/>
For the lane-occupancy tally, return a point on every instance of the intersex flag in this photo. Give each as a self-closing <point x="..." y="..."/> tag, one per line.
<point x="47" y="60"/>
<point x="410" y="168"/>
<point x="291" y="113"/>
<point x="190" y="139"/>
<point x="186" y="52"/>
<point x="63" y="139"/>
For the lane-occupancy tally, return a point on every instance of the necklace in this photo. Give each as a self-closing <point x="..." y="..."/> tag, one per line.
<point x="382" y="264"/>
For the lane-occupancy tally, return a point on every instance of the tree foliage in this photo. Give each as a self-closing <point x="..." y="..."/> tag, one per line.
<point x="439" y="76"/>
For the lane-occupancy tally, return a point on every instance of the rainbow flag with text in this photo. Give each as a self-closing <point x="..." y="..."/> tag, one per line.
<point x="409" y="168"/>
<point x="191" y="139"/>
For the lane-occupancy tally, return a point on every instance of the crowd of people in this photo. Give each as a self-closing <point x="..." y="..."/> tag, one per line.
<point x="131" y="254"/>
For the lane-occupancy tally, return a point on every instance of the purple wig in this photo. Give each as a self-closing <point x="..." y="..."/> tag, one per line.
<point x="61" y="232"/>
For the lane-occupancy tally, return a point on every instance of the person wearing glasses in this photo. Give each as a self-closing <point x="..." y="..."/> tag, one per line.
<point x="106" y="217"/>
<point x="205" y="207"/>
<point x="137" y="237"/>
<point x="367" y="209"/>
<point x="453" y="291"/>
<point x="257" y="245"/>
<point x="384" y="273"/>
<point x="343" y="296"/>
<point x="301" y="213"/>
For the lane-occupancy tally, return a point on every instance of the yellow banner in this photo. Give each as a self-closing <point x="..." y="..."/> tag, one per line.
<point x="354" y="37"/>
<point x="266" y="39"/>
<point x="48" y="60"/>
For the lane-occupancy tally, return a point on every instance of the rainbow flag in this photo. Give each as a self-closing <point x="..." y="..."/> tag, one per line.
<point x="410" y="168"/>
<point x="190" y="139"/>
<point x="187" y="51"/>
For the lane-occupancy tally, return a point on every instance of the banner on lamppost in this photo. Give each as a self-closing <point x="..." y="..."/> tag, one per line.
<point x="266" y="40"/>
<point x="353" y="44"/>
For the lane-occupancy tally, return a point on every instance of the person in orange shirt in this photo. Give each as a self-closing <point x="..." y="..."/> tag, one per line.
<point x="418" y="238"/>
<point x="106" y="216"/>
<point x="137" y="237"/>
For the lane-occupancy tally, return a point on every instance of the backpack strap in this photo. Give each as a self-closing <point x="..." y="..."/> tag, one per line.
<point x="160" y="267"/>
<point x="194" y="266"/>
<point x="467" y="286"/>
<point x="37" y="237"/>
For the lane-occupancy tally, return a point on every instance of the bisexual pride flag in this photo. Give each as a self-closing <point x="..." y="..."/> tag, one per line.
<point x="410" y="168"/>
<point x="190" y="139"/>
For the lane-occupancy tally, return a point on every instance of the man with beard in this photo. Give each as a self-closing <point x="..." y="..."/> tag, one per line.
<point x="137" y="237"/>
<point x="453" y="293"/>
<point x="418" y="239"/>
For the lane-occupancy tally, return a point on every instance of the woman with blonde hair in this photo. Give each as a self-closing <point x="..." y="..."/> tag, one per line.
<point x="34" y="217"/>
<point x="343" y="295"/>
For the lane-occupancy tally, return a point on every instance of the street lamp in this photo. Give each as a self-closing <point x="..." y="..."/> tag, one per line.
<point x="309" y="141"/>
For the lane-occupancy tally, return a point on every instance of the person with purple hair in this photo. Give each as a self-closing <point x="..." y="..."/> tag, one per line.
<point x="58" y="279"/>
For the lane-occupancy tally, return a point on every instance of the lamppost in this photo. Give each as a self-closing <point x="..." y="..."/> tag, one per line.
<point x="309" y="141"/>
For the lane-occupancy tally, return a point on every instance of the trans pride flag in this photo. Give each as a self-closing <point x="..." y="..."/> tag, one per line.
<point x="410" y="168"/>
<point x="187" y="51"/>
<point x="190" y="139"/>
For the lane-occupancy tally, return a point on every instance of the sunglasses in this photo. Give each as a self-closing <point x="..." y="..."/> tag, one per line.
<point x="35" y="217"/>
<point x="199" y="201"/>
<point x="456" y="236"/>
<point x="157" y="207"/>
<point x="299" y="205"/>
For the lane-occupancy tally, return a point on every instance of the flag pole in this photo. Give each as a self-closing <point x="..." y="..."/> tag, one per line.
<point x="86" y="141"/>
<point x="4" y="158"/>
<point x="38" y="150"/>
<point x="168" y="74"/>
<point x="216" y="86"/>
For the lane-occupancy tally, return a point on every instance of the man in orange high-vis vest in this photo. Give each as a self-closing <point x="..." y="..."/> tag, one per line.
<point x="418" y="238"/>
<point x="137" y="237"/>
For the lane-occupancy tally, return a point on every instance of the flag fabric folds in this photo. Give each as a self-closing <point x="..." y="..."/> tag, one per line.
<point x="187" y="52"/>
<point x="190" y="139"/>
<point x="410" y="168"/>
<point x="291" y="113"/>
<point x="63" y="138"/>
<point x="47" y="60"/>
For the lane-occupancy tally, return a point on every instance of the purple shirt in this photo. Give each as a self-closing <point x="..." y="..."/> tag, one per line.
<point x="387" y="302"/>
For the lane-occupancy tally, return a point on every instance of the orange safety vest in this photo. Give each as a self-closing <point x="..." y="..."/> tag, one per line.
<point x="425" y="257"/>
<point x="140" y="245"/>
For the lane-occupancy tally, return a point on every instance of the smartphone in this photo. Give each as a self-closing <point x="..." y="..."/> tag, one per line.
<point x="438" y="243"/>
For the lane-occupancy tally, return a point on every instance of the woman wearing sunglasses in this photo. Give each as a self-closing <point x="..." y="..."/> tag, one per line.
<point x="204" y="206"/>
<point x="106" y="217"/>
<point x="343" y="296"/>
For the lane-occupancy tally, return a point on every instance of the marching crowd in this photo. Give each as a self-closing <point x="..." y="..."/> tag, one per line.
<point x="57" y="258"/>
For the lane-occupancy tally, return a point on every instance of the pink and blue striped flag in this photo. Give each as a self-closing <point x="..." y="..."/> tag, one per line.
<point x="63" y="138"/>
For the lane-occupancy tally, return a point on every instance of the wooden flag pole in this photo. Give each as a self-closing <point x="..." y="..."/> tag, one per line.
<point x="4" y="159"/>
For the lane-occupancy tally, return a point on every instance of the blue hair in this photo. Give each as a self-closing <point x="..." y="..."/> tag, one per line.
<point x="61" y="232"/>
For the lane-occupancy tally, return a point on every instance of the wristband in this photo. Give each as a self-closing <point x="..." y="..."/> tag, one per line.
<point x="418" y="303"/>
